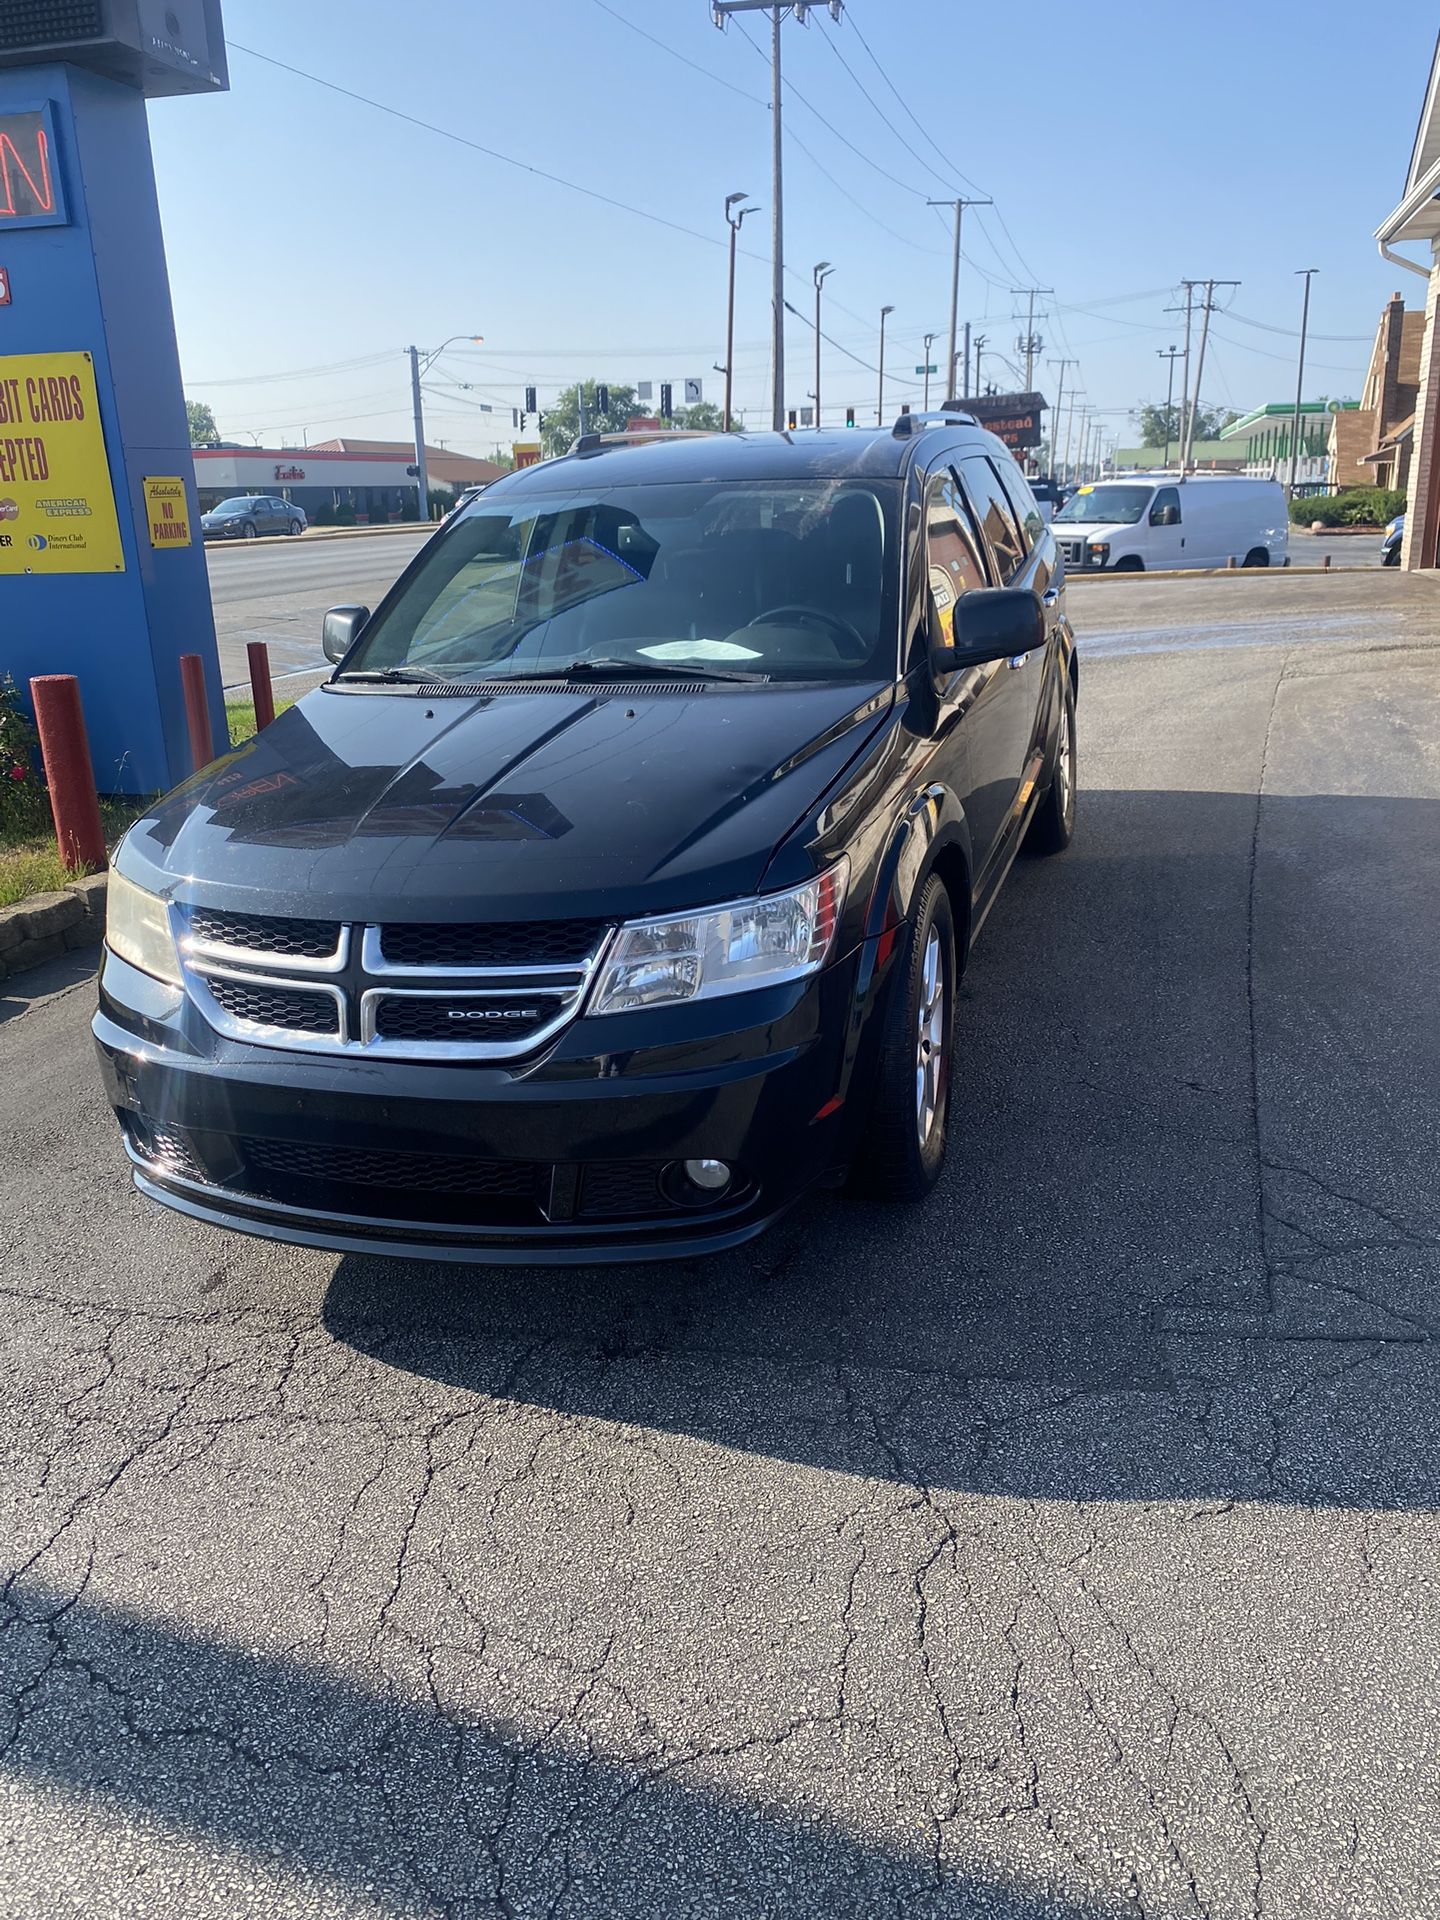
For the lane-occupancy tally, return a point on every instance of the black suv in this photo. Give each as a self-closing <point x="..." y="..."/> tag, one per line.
<point x="615" y="888"/>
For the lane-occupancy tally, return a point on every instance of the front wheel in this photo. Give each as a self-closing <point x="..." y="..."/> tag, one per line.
<point x="1053" y="827"/>
<point x="903" y="1148"/>
<point x="248" y="531"/>
<point x="296" y="527"/>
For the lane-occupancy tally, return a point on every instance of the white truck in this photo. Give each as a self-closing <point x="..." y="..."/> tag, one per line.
<point x="1149" y="522"/>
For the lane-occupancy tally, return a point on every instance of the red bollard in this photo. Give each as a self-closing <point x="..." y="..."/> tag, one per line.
<point x="261" y="691"/>
<point x="65" y="750"/>
<point x="197" y="710"/>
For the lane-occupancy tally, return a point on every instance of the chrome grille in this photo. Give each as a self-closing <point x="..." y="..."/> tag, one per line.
<point x="418" y="991"/>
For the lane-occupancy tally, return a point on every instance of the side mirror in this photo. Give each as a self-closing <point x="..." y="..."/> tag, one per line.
<point x="341" y="629"/>
<point x="992" y="623"/>
<point x="1167" y="517"/>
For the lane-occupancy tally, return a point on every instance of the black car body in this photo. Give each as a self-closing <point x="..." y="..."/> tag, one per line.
<point x="250" y="516"/>
<point x="604" y="957"/>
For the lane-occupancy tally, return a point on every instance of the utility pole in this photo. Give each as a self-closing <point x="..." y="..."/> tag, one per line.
<point x="823" y="271"/>
<point x="1055" y="414"/>
<point x="1069" y="430"/>
<point x="1299" y="379"/>
<point x="959" y="206"/>
<point x="1030" y="346"/>
<point x="1207" y="310"/>
<point x="965" y="391"/>
<point x="422" y="478"/>
<point x="720" y="11"/>
<point x="1188" y="311"/>
<point x="880" y="404"/>
<point x="1172" y="354"/>
<point x="734" y="221"/>
<point x="929" y="342"/>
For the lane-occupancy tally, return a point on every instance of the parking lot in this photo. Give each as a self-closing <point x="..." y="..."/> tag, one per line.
<point x="1064" y="1547"/>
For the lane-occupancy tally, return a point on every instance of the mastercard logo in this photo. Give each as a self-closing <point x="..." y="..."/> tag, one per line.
<point x="9" y="510"/>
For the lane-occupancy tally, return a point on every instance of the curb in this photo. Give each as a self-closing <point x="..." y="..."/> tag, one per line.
<point x="319" y="533"/>
<point x="1206" y="573"/>
<point x="49" y="924"/>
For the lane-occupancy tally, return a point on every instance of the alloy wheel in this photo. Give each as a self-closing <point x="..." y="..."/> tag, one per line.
<point x="930" y="1060"/>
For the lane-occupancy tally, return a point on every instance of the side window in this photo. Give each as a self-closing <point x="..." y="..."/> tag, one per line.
<point x="1017" y="489"/>
<point x="1165" y="497"/>
<point x="996" y="516"/>
<point x="952" y="565"/>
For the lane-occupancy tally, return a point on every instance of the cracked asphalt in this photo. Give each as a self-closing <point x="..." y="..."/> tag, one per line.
<point x="1067" y="1547"/>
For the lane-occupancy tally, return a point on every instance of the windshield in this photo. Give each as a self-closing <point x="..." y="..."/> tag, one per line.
<point x="233" y="506"/>
<point x="1121" y="506"/>
<point x="785" y="581"/>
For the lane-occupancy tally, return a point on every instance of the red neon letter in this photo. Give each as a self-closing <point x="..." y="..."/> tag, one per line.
<point x="44" y="194"/>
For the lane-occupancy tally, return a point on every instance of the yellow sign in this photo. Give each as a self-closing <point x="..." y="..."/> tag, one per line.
<point x="57" y="506"/>
<point x="166" y="511"/>
<point x="527" y="453"/>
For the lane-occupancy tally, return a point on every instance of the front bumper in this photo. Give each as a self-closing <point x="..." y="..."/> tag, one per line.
<point x="569" y="1157"/>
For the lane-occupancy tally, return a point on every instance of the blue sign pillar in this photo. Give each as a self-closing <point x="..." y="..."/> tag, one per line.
<point x="83" y="262"/>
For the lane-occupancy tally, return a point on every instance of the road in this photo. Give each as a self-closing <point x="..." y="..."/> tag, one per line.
<point x="1065" y="1548"/>
<point x="279" y="592"/>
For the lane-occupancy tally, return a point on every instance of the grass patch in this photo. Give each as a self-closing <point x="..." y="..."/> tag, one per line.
<point x="32" y="865"/>
<point x="240" y="717"/>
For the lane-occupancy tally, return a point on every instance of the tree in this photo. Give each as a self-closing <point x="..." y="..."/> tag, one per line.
<point x="203" y="430"/>
<point x="1209" y="424"/>
<point x="703" y="417"/>
<point x="561" y="419"/>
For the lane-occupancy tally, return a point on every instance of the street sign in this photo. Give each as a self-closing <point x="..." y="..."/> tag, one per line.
<point x="645" y="390"/>
<point x="1013" y="417"/>
<point x="166" y="511"/>
<point x="807" y="416"/>
<point x="526" y="454"/>
<point x="55" y="492"/>
<point x="694" y="392"/>
<point x="927" y="369"/>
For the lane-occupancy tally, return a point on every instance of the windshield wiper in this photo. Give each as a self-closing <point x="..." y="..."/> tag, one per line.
<point x="388" y="676"/>
<point x="654" y="670"/>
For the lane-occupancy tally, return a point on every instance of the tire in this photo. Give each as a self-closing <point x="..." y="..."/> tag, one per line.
<point x="247" y="531"/>
<point x="1258" y="557"/>
<point x="1053" y="827"/>
<point x="1132" y="563"/>
<point x="903" y="1148"/>
<point x="297" y="527"/>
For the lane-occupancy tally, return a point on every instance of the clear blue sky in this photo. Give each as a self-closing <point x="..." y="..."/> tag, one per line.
<point x="1127" y="146"/>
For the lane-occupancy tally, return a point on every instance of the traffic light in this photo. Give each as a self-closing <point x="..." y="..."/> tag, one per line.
<point x="849" y="416"/>
<point x="530" y="402"/>
<point x="793" y="419"/>
<point x="666" y="399"/>
<point x="602" y="399"/>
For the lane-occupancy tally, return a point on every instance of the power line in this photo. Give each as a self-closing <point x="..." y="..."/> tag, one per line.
<point x="1243" y="346"/>
<point x="684" y="59"/>
<point x="297" y="373"/>
<point x="831" y="42"/>
<point x="1342" y="339"/>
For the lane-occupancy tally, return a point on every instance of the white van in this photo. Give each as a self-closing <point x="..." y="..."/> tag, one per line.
<point x="1156" y="520"/>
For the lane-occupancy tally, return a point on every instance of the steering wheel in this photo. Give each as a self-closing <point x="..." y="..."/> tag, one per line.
<point x="857" y="647"/>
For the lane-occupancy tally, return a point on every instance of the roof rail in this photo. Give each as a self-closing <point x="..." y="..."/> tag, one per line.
<point x="597" y="442"/>
<point x="909" y="422"/>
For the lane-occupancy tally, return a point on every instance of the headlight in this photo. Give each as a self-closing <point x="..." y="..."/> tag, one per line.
<point x="750" y="943"/>
<point x="137" y="927"/>
<point x="1100" y="550"/>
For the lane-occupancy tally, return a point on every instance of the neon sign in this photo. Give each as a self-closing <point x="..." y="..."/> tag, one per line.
<point x="31" y="191"/>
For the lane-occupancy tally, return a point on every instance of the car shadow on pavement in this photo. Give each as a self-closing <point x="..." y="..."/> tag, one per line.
<point x="1187" y="1238"/>
<point x="409" y="1808"/>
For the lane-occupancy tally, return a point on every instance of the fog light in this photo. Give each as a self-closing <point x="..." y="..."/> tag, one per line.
<point x="709" y="1175"/>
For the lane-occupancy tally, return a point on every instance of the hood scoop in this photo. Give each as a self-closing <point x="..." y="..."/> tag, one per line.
<point x="586" y="689"/>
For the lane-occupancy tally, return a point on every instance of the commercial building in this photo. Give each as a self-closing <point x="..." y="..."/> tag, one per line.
<point x="1415" y="223"/>
<point x="1207" y="456"/>
<point x="368" y="480"/>
<point x="1370" y="444"/>
<point x="1263" y="438"/>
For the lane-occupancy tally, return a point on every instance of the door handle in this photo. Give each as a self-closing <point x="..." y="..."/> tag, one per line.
<point x="1016" y="660"/>
<point x="1051" y="597"/>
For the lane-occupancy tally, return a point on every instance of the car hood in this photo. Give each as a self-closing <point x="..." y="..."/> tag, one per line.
<point x="367" y="805"/>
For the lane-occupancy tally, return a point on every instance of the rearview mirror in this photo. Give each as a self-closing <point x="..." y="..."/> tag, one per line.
<point x="992" y="623"/>
<point x="341" y="630"/>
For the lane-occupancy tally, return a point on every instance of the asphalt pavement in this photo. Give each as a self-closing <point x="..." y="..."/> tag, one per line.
<point x="1066" y="1546"/>
<point x="278" y="591"/>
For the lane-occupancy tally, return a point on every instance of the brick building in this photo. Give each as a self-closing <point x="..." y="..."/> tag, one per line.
<point x="1415" y="224"/>
<point x="1370" y="445"/>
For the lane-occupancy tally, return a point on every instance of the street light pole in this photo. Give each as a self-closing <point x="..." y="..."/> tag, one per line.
<point x="823" y="271"/>
<point x="1055" y="414"/>
<point x="880" y="402"/>
<point x="1172" y="354"/>
<point x="929" y="342"/>
<point x="422" y="478"/>
<point x="1299" y="380"/>
<point x="733" y="220"/>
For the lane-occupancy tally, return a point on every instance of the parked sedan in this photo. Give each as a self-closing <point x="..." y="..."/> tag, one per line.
<point x="1391" y="544"/>
<point x="249" y="515"/>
